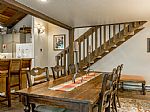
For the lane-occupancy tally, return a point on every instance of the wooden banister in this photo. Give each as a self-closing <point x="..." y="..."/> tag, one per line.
<point x="101" y="38"/>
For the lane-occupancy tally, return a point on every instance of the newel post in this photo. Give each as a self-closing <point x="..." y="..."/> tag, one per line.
<point x="71" y="40"/>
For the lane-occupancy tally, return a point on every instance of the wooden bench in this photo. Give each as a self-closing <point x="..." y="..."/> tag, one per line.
<point x="133" y="79"/>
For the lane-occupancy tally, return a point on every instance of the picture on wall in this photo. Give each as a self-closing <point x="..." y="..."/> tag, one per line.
<point x="59" y="41"/>
<point x="148" y="45"/>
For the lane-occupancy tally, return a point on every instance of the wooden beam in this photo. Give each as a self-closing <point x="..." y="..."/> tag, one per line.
<point x="4" y="17"/>
<point x="14" y="18"/>
<point x="27" y="10"/>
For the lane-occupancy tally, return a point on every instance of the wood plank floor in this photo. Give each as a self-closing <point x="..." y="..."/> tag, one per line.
<point x="18" y="107"/>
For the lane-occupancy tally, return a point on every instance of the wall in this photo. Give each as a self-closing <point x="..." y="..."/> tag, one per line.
<point x="40" y="44"/>
<point x="44" y="41"/>
<point x="27" y="21"/>
<point x="55" y="30"/>
<point x="133" y="54"/>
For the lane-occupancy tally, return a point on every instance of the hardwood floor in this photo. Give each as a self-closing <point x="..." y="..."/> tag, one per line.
<point x="18" y="107"/>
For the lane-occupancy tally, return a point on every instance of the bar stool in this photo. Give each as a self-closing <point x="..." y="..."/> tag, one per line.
<point x="15" y="71"/>
<point x="5" y="73"/>
<point x="25" y="66"/>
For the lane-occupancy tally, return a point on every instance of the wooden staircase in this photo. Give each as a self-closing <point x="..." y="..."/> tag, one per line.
<point x="98" y="41"/>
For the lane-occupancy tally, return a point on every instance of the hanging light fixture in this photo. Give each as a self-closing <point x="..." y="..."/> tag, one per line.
<point x="44" y="0"/>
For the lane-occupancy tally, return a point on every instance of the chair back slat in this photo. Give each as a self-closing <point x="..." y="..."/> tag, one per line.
<point x="15" y="65"/>
<point x="26" y="63"/>
<point x="4" y="64"/>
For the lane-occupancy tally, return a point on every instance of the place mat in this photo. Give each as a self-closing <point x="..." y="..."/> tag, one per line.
<point x="69" y="86"/>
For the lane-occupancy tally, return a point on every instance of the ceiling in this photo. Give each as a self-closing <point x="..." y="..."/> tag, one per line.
<point x="76" y="13"/>
<point x="9" y="16"/>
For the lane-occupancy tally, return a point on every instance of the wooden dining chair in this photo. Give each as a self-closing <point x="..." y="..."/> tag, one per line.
<point x="5" y="73"/>
<point x="37" y="76"/>
<point x="25" y="67"/>
<point x="113" y="90"/>
<point x="56" y="72"/>
<point x="103" y="103"/>
<point x="118" y="72"/>
<point x="15" y="73"/>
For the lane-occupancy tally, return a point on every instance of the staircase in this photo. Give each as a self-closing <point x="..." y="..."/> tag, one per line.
<point x="98" y="41"/>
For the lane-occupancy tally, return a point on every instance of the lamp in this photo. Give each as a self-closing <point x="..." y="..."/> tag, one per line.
<point x="40" y="28"/>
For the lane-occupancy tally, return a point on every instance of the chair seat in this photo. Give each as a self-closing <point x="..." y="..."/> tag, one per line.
<point x="133" y="79"/>
<point x="46" y="108"/>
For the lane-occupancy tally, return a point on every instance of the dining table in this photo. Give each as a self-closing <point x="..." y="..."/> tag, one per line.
<point x="80" y="96"/>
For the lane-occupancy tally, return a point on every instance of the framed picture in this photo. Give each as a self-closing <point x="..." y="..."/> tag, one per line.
<point x="148" y="45"/>
<point x="59" y="42"/>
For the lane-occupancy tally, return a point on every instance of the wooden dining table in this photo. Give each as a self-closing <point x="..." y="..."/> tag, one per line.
<point x="80" y="99"/>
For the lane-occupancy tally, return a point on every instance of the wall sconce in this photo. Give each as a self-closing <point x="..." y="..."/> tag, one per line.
<point x="40" y="28"/>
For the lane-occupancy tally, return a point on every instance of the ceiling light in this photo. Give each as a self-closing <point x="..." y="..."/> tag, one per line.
<point x="44" y="0"/>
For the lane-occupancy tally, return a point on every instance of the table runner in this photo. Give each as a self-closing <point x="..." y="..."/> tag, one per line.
<point x="68" y="86"/>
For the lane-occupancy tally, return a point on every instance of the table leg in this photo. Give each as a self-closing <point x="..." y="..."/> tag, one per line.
<point x="143" y="88"/>
<point x="26" y="104"/>
<point x="33" y="107"/>
<point x="8" y="91"/>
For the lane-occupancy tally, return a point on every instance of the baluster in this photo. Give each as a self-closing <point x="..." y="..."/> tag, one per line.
<point x="100" y="37"/>
<point x="129" y="27"/>
<point x="92" y="41"/>
<point x="109" y="34"/>
<point x="134" y="24"/>
<point x="96" y="40"/>
<point x="114" y="33"/>
<point x="119" y="31"/>
<point x="104" y="37"/>
<point x="124" y="29"/>
<point x="87" y="47"/>
<point x="68" y="59"/>
<point x="59" y="59"/>
<point x="61" y="62"/>
<point x="84" y="49"/>
<point x="79" y="53"/>
<point x="65" y="62"/>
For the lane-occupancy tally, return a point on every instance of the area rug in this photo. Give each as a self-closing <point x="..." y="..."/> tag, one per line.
<point x="134" y="105"/>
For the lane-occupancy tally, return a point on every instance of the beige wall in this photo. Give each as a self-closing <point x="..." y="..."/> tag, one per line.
<point x="44" y="41"/>
<point x="133" y="54"/>
<point x="40" y="44"/>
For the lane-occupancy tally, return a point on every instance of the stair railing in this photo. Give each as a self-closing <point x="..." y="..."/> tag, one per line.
<point x="100" y="38"/>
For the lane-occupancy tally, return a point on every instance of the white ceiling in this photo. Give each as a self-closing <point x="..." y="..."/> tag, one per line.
<point x="77" y="13"/>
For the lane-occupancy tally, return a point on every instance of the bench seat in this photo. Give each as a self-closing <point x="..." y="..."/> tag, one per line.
<point x="133" y="79"/>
